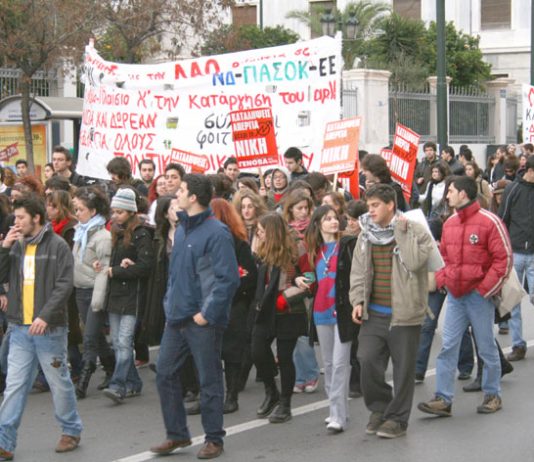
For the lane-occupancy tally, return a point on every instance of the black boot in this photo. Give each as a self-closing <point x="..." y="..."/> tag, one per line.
<point x="283" y="412"/>
<point x="231" y="372"/>
<point x="272" y="398"/>
<point x="88" y="369"/>
<point x="108" y="363"/>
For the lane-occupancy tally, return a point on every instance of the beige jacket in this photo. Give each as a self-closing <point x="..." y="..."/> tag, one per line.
<point x="85" y="277"/>
<point x="409" y="276"/>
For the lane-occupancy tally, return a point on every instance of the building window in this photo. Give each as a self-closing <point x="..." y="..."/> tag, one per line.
<point x="408" y="8"/>
<point x="495" y="14"/>
<point x="244" y="15"/>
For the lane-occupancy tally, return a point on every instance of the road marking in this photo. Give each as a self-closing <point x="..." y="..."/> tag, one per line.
<point x="257" y="423"/>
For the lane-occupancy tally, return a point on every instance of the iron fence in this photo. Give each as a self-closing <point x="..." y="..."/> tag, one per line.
<point x="349" y="101"/>
<point x="411" y="108"/>
<point x="512" y="126"/>
<point x="470" y="114"/>
<point x="43" y="83"/>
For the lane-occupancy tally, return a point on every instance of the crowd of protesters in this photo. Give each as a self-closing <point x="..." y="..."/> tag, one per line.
<point x="217" y="268"/>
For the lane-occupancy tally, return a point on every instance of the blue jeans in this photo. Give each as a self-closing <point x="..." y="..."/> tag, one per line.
<point x="466" y="359"/>
<point x="25" y="352"/>
<point x="306" y="366"/>
<point x="125" y="377"/>
<point x="480" y="313"/>
<point x="205" y="344"/>
<point x="524" y="267"/>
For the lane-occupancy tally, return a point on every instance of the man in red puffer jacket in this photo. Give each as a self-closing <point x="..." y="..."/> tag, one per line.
<point x="478" y="258"/>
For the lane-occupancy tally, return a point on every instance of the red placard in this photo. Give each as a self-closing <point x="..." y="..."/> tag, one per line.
<point x="386" y="154"/>
<point x="404" y="157"/>
<point x="340" y="147"/>
<point x="254" y="138"/>
<point x="193" y="163"/>
<point x="9" y="151"/>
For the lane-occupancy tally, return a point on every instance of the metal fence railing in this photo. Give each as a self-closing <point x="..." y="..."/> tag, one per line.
<point x="413" y="109"/>
<point x="43" y="83"/>
<point x="470" y="114"/>
<point x="511" y="120"/>
<point x="349" y="101"/>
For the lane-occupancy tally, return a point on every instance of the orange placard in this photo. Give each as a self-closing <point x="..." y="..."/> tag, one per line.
<point x="340" y="147"/>
<point x="193" y="163"/>
<point x="404" y="157"/>
<point x="254" y="138"/>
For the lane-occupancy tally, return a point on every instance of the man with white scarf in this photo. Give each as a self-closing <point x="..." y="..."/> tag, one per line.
<point x="389" y="295"/>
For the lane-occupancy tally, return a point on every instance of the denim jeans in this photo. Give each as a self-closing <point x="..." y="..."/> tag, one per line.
<point x="336" y="359"/>
<point x="480" y="313"/>
<point x="524" y="267"/>
<point x="94" y="340"/>
<point x="125" y="377"/>
<point x="306" y="366"/>
<point x="25" y="352"/>
<point x="466" y="359"/>
<point x="205" y="344"/>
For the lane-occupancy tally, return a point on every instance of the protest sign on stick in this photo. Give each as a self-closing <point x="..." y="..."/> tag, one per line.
<point x="404" y="157"/>
<point x="254" y="138"/>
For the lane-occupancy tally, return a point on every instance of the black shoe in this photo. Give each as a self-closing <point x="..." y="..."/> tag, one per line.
<point x="272" y="398"/>
<point x="230" y="405"/>
<point x="475" y="385"/>
<point x="419" y="378"/>
<point x="194" y="409"/>
<point x="464" y="376"/>
<point x="83" y="382"/>
<point x="506" y="368"/>
<point x="281" y="414"/>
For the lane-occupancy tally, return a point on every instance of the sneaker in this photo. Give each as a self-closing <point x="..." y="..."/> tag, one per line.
<point x="139" y="363"/>
<point x="518" y="353"/>
<point x="437" y="406"/>
<point x="132" y="393"/>
<point x="375" y="421"/>
<point x="298" y="388"/>
<point x="311" y="386"/>
<point x="6" y="455"/>
<point x="419" y="378"/>
<point x="503" y="330"/>
<point x="391" y="429"/>
<point x="491" y="404"/>
<point x="113" y="395"/>
<point x="334" y="428"/>
<point x="327" y="420"/>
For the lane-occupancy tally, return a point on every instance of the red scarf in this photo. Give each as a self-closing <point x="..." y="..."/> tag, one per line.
<point x="58" y="226"/>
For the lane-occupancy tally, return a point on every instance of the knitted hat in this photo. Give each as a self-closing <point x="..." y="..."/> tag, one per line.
<point x="124" y="199"/>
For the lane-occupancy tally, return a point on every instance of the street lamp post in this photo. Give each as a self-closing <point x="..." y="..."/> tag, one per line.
<point x="442" y="90"/>
<point x="330" y="26"/>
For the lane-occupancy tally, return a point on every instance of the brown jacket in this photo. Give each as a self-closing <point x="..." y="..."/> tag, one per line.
<point x="409" y="276"/>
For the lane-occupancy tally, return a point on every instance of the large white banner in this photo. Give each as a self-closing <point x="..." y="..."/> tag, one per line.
<point x="528" y="113"/>
<point x="154" y="111"/>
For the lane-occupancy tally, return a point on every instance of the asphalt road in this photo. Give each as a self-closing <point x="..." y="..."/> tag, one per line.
<point x="125" y="432"/>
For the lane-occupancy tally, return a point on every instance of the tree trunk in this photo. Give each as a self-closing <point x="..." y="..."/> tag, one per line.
<point x="26" y="121"/>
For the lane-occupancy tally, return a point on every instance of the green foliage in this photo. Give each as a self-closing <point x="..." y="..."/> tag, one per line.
<point x="228" y="39"/>
<point x="408" y="50"/>
<point x="464" y="58"/>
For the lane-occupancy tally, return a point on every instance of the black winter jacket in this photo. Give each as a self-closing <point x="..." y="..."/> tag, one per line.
<point x="54" y="268"/>
<point x="517" y="212"/>
<point x="127" y="288"/>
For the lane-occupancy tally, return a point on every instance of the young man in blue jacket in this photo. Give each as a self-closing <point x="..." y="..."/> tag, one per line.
<point x="203" y="277"/>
